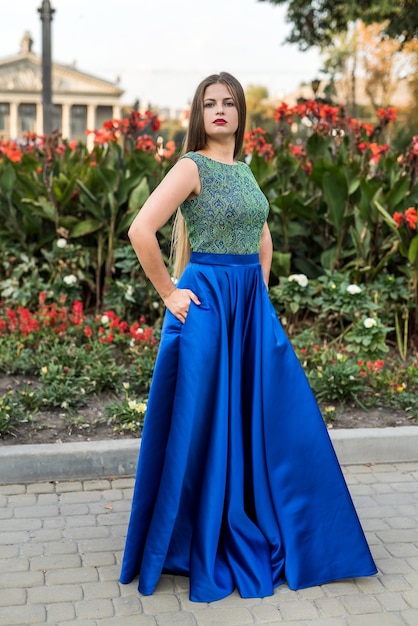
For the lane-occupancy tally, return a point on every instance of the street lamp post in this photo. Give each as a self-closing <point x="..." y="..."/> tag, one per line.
<point x="46" y="13"/>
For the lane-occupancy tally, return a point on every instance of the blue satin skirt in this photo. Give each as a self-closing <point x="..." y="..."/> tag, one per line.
<point x="237" y="485"/>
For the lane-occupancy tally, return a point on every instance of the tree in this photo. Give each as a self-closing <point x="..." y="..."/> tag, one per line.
<point x="259" y="111"/>
<point x="316" y="22"/>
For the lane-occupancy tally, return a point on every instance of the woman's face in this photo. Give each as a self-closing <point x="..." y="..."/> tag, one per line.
<point x="220" y="114"/>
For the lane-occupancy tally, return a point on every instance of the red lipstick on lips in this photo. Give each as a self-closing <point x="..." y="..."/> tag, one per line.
<point x="220" y="121"/>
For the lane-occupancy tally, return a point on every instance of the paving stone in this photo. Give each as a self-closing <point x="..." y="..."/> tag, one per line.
<point x="60" y="612"/>
<point x="12" y="597"/>
<point x="410" y="617"/>
<point x="94" y="609"/>
<point x="176" y="619"/>
<point x="330" y="607"/>
<point x="402" y="550"/>
<point x="393" y="602"/>
<point x="130" y="605"/>
<point x="361" y="604"/>
<point x="226" y="617"/>
<point x="94" y="485"/>
<point x="340" y="588"/>
<point x="378" y="619"/>
<point x="58" y="561"/>
<point x="160" y="603"/>
<point x="8" y="490"/>
<point x="133" y="620"/>
<point x="395" y="582"/>
<point x="41" y="488"/>
<point x="394" y="566"/>
<point x="100" y="589"/>
<point x="122" y="483"/>
<point x="22" y="615"/>
<point x="71" y="486"/>
<point x="75" y="575"/>
<point x="14" y="565"/>
<point x="411" y="598"/>
<point x="412" y="580"/>
<point x="54" y="593"/>
<point x="21" y="579"/>
<point x="266" y="613"/>
<point x="301" y="610"/>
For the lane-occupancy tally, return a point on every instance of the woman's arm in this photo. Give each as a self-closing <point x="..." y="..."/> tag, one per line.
<point x="266" y="253"/>
<point x="180" y="182"/>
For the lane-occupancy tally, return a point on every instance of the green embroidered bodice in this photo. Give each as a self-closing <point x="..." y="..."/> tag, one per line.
<point x="228" y="215"/>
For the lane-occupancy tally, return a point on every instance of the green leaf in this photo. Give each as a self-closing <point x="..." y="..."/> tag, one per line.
<point x="397" y="193"/>
<point x="139" y="195"/>
<point x="280" y="265"/>
<point x="87" y="191"/>
<point x="7" y="179"/>
<point x="413" y="252"/>
<point x="127" y="185"/>
<point x="328" y="258"/>
<point x="336" y="195"/>
<point x="85" y="228"/>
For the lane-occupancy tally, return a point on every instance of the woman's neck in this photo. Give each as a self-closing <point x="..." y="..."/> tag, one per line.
<point x="223" y="152"/>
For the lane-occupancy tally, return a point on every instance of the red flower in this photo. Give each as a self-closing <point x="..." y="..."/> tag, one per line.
<point x="88" y="332"/>
<point x="387" y="115"/>
<point x="399" y="219"/>
<point x="146" y="144"/>
<point x="297" y="151"/>
<point x="411" y="217"/>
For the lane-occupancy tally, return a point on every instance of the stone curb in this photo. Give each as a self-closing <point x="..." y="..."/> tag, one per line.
<point x="117" y="458"/>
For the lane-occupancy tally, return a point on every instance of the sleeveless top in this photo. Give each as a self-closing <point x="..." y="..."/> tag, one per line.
<point x="228" y="215"/>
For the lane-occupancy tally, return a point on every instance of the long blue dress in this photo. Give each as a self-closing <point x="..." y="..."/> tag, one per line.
<point x="237" y="485"/>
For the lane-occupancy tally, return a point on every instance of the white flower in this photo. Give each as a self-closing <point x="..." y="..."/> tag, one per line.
<point x="155" y="305"/>
<point x="70" y="279"/>
<point x="142" y="407"/>
<point x="300" y="279"/>
<point x="369" y="322"/>
<point x="104" y="319"/>
<point x="129" y="290"/>
<point x="353" y="289"/>
<point x="61" y="243"/>
<point x="126" y="385"/>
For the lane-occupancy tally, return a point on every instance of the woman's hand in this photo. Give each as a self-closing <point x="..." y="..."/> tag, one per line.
<point x="178" y="302"/>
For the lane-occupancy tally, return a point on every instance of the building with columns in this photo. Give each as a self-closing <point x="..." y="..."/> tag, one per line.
<point x="80" y="101"/>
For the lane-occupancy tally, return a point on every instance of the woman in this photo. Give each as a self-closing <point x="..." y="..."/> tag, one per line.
<point x="237" y="483"/>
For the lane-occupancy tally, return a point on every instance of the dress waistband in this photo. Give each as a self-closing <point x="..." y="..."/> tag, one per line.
<point x="208" y="258"/>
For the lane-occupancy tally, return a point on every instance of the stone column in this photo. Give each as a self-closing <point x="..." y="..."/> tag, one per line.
<point x="39" y="124"/>
<point x="91" y="124"/>
<point x="14" y="131"/>
<point x="66" y="121"/>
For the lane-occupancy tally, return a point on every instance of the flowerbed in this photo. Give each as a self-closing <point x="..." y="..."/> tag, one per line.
<point x="65" y="359"/>
<point x="69" y="374"/>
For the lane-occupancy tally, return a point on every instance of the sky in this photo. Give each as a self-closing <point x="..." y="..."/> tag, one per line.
<point x="162" y="49"/>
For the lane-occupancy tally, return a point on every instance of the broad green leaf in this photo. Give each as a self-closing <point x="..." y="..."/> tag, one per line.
<point x="87" y="191"/>
<point x="397" y="193"/>
<point x="336" y="195"/>
<point x="127" y="185"/>
<point x="413" y="252"/>
<point x="139" y="195"/>
<point x="328" y="258"/>
<point x="85" y="228"/>
<point x="8" y="179"/>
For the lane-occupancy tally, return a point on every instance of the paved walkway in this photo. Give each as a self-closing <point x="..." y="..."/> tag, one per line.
<point x="61" y="546"/>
